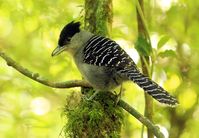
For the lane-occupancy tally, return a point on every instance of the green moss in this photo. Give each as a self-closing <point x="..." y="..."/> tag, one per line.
<point x="103" y="18"/>
<point x="98" y="17"/>
<point x="98" y="118"/>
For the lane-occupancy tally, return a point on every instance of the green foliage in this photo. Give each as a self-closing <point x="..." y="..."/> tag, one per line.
<point x="29" y="31"/>
<point x="95" y="119"/>
<point x="143" y="46"/>
<point x="167" y="53"/>
<point x="163" y="41"/>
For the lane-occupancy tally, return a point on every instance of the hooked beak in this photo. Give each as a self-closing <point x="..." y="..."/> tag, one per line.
<point x="58" y="50"/>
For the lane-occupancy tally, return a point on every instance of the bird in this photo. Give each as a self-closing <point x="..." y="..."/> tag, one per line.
<point x="104" y="64"/>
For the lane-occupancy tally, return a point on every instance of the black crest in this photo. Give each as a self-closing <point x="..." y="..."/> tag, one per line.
<point x="68" y="31"/>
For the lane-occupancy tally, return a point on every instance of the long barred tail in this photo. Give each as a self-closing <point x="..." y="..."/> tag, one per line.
<point x="151" y="87"/>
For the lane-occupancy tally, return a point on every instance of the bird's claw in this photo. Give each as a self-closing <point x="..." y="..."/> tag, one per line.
<point x="91" y="97"/>
<point x="118" y="97"/>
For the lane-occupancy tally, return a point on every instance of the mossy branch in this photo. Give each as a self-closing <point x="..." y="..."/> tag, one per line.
<point x="79" y="83"/>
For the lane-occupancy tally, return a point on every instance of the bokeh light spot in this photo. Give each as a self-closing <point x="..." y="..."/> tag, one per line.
<point x="173" y="82"/>
<point x="166" y="4"/>
<point x="40" y="106"/>
<point x="187" y="98"/>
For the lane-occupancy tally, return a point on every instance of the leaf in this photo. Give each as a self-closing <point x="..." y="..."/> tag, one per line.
<point x="163" y="40"/>
<point x="167" y="53"/>
<point x="142" y="46"/>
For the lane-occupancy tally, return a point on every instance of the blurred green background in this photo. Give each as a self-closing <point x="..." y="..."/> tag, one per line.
<point x="29" y="31"/>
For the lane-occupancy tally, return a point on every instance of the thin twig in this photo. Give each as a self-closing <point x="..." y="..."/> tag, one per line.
<point x="141" y="118"/>
<point x="80" y="83"/>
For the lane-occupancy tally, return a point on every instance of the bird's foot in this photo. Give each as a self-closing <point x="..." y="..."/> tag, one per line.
<point x="118" y="97"/>
<point x="92" y="96"/>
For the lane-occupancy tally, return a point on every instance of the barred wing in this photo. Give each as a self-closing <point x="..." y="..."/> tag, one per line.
<point x="101" y="51"/>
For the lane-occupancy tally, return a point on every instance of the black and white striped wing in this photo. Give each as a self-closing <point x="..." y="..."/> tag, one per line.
<point x="101" y="51"/>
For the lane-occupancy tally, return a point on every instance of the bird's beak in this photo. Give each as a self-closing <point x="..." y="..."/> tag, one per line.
<point x="58" y="50"/>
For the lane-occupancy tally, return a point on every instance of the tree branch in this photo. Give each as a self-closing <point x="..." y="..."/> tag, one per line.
<point x="80" y="83"/>
<point x="141" y="118"/>
<point x="36" y="76"/>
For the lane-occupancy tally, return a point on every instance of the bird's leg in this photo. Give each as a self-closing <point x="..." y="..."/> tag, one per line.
<point x="119" y="95"/>
<point x="92" y="96"/>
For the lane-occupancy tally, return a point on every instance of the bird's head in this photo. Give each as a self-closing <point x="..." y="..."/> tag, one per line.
<point x="65" y="37"/>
